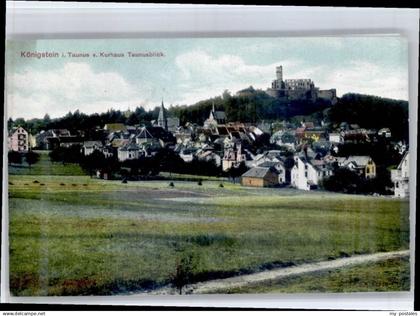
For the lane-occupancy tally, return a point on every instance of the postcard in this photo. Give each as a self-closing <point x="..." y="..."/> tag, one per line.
<point x="182" y="166"/>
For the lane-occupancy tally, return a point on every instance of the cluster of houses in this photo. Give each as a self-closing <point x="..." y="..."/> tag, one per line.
<point x="305" y="156"/>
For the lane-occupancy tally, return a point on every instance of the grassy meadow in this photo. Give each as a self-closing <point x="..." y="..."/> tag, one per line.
<point x="389" y="275"/>
<point x="75" y="235"/>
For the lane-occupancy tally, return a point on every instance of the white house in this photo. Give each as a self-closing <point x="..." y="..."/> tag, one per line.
<point x="400" y="177"/>
<point x="307" y="174"/>
<point x="18" y="140"/>
<point x="128" y="151"/>
<point x="90" y="146"/>
<point x="207" y="155"/>
<point x="187" y="154"/>
<point x="385" y="132"/>
<point x="336" y="138"/>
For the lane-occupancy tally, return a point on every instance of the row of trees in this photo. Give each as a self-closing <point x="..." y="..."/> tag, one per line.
<point x="19" y="158"/>
<point x="372" y="112"/>
<point x="348" y="181"/>
<point x="382" y="153"/>
<point x="253" y="107"/>
<point x="164" y="160"/>
<point x="367" y="111"/>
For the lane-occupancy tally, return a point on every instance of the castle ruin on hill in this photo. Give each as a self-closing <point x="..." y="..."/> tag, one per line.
<point x="298" y="89"/>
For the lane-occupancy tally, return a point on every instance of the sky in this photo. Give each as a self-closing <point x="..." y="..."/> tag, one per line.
<point x="187" y="70"/>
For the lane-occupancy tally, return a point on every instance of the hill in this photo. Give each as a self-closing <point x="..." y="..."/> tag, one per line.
<point x="371" y="112"/>
<point x="364" y="110"/>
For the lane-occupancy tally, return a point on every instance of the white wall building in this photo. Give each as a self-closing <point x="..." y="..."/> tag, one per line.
<point x="336" y="138"/>
<point x="90" y="146"/>
<point x="18" y="140"/>
<point x="400" y="177"/>
<point x="307" y="175"/>
<point x="128" y="151"/>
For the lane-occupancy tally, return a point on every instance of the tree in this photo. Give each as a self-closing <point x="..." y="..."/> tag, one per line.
<point x="14" y="157"/>
<point x="186" y="265"/>
<point x="343" y="180"/>
<point x="10" y="123"/>
<point x="236" y="172"/>
<point x="70" y="154"/>
<point x="31" y="158"/>
<point x="92" y="162"/>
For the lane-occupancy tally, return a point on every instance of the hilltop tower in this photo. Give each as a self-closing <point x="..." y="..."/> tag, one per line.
<point x="279" y="73"/>
<point x="162" y="118"/>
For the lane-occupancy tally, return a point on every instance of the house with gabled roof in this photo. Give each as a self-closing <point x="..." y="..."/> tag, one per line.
<point x="279" y="167"/>
<point x="363" y="165"/>
<point x="209" y="155"/>
<point x="155" y="134"/>
<point x="401" y="176"/>
<point x="115" y="127"/>
<point x="90" y="146"/>
<point x="18" y="140"/>
<point x="260" y="177"/>
<point x="215" y="118"/>
<point x="307" y="173"/>
<point x="233" y="157"/>
<point x="129" y="151"/>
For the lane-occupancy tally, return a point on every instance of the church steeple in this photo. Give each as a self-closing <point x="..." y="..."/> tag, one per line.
<point x="162" y="119"/>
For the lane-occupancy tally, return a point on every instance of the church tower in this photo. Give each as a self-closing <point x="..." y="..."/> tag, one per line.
<point x="162" y="119"/>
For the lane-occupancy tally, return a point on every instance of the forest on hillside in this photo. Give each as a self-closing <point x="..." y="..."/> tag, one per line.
<point x="364" y="110"/>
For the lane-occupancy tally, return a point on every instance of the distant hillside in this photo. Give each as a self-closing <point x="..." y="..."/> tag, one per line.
<point x="367" y="111"/>
<point x="372" y="112"/>
<point x="255" y="106"/>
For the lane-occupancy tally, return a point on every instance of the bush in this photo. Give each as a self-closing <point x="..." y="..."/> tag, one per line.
<point x="14" y="157"/>
<point x="31" y="158"/>
<point x="186" y="267"/>
<point x="343" y="180"/>
<point x="171" y="184"/>
<point x="200" y="182"/>
<point x="221" y="185"/>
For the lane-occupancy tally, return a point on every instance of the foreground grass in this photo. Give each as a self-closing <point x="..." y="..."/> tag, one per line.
<point x="74" y="235"/>
<point x="389" y="275"/>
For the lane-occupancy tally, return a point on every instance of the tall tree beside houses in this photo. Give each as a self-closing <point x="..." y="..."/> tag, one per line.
<point x="31" y="158"/>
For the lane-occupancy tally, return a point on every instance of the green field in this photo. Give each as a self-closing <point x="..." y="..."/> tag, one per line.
<point x="75" y="235"/>
<point x="390" y="275"/>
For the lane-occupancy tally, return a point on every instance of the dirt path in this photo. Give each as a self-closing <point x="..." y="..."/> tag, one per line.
<point x="275" y="274"/>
